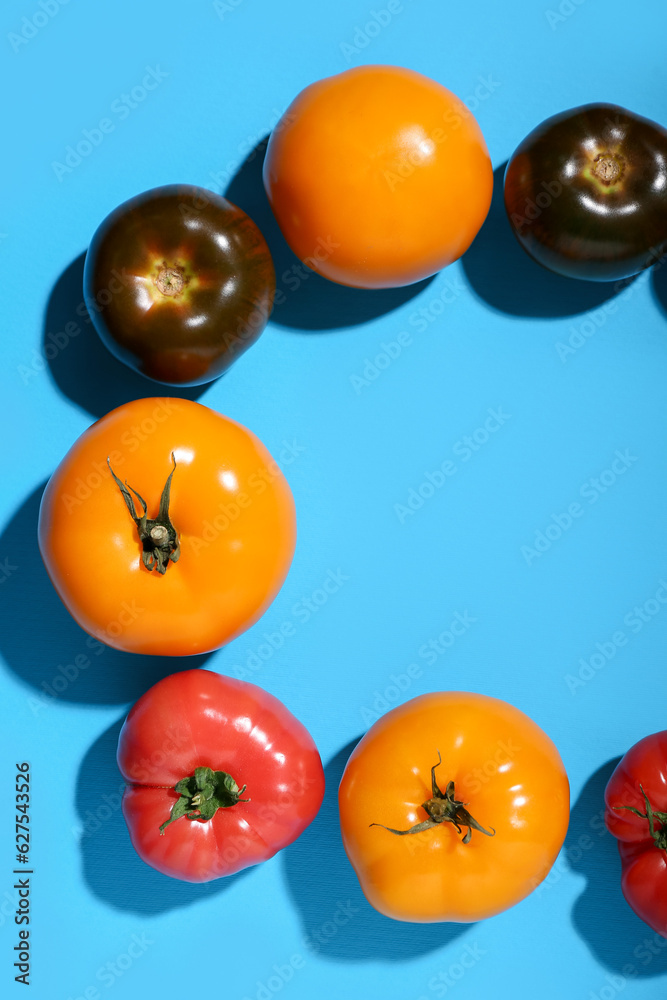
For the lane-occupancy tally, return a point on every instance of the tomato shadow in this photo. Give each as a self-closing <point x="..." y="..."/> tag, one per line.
<point x="305" y="300"/>
<point x="42" y="644"/>
<point x="112" y="869"/>
<point x="338" y="922"/>
<point x="503" y="275"/>
<point x="659" y="282"/>
<point x="79" y="363"/>
<point x="601" y="916"/>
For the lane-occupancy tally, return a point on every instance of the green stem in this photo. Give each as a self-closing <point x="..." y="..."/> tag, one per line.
<point x="443" y="808"/>
<point x="202" y="794"/>
<point x="158" y="536"/>
<point x="660" y="835"/>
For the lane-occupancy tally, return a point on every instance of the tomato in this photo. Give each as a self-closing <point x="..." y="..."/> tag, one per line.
<point x="220" y="776"/>
<point x="636" y="814"/>
<point x="179" y="283"/>
<point x="378" y="177"/>
<point x="208" y="557"/>
<point x="454" y="807"/>
<point x="585" y="192"/>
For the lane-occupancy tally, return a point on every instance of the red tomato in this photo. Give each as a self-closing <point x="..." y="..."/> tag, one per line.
<point x="220" y="776"/>
<point x="636" y="814"/>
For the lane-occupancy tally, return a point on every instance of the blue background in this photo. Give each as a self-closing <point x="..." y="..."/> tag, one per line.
<point x="488" y="338"/>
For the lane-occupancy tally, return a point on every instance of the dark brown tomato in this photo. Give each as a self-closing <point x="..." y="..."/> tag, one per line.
<point x="179" y="283"/>
<point x="586" y="192"/>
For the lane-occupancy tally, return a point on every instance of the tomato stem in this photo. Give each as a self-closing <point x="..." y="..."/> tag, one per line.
<point x="608" y="168"/>
<point x="158" y="536"/>
<point x="202" y="794"/>
<point x="170" y="280"/>
<point x="659" y="836"/>
<point x="443" y="808"/>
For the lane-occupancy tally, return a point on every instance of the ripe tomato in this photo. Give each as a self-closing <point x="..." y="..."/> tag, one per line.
<point x="585" y="192"/>
<point x="453" y="806"/>
<point x="212" y="553"/>
<point x="378" y="177"/>
<point x="220" y="776"/>
<point x="636" y="814"/>
<point x="179" y="283"/>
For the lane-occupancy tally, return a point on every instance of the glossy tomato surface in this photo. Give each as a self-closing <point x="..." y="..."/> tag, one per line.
<point x="378" y="177"/>
<point x="199" y="719"/>
<point x="179" y="283"/>
<point x="586" y="192"/>
<point x="636" y="801"/>
<point x="230" y="508"/>
<point x="505" y="770"/>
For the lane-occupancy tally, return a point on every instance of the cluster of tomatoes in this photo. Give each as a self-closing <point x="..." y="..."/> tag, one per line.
<point x="169" y="529"/>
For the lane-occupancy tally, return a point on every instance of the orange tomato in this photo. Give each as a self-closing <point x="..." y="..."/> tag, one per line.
<point x="205" y="572"/>
<point x="378" y="177"/>
<point x="508" y="779"/>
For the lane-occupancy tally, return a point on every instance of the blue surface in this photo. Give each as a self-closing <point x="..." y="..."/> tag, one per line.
<point x="484" y="336"/>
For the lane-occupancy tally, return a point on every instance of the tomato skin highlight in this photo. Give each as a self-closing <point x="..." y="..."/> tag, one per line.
<point x="586" y="193"/>
<point x="215" y="271"/>
<point x="378" y="177"/>
<point x="503" y="766"/>
<point x="644" y="863"/>
<point x="231" y="507"/>
<point x="198" y="718"/>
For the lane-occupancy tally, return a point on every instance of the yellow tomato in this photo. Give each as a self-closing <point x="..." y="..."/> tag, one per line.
<point x="378" y="177"/>
<point x="187" y="582"/>
<point x="491" y="817"/>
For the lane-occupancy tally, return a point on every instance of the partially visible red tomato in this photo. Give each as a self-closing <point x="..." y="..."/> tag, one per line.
<point x="636" y="814"/>
<point x="220" y="776"/>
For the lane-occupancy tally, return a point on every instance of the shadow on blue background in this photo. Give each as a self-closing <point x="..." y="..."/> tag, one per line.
<point x="308" y="301"/>
<point x="659" y="283"/>
<point x="112" y="869"/>
<point x="80" y="365"/>
<point x="40" y="640"/>
<point x="322" y="883"/>
<point x="503" y="275"/>
<point x="601" y="915"/>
